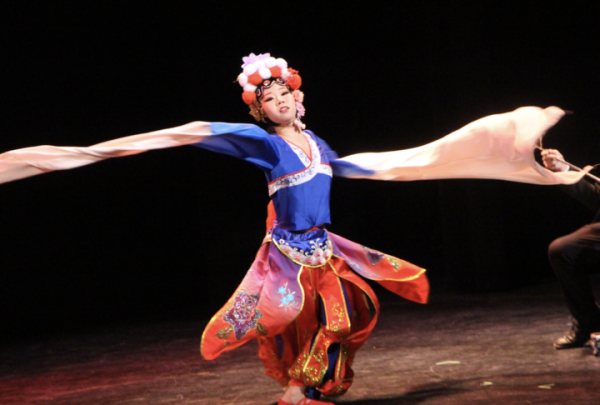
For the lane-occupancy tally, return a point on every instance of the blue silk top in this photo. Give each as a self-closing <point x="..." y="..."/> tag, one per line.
<point x="298" y="184"/>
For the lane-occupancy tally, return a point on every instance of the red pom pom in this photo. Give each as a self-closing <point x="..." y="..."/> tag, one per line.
<point x="248" y="97"/>
<point x="255" y="79"/>
<point x="294" y="82"/>
<point x="275" y="71"/>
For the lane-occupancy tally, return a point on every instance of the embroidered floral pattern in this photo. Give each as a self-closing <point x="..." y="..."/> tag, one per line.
<point x="224" y="333"/>
<point x="315" y="370"/>
<point x="373" y="255"/>
<point x="243" y="314"/>
<point x="300" y="153"/>
<point x="287" y="297"/>
<point x="394" y="262"/>
<point x="261" y="330"/>
<point x="337" y="324"/>
<point x="317" y="254"/>
<point x="296" y="371"/>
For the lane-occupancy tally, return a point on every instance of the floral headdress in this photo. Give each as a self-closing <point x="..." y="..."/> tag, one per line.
<point x="262" y="72"/>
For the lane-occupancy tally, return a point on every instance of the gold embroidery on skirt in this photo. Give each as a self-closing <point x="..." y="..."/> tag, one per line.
<point x="224" y="333"/>
<point x="394" y="262"/>
<point x="337" y="324"/>
<point x="261" y="330"/>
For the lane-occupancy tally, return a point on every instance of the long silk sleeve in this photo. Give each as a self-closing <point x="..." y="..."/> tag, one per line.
<point x="495" y="147"/>
<point x="27" y="162"/>
<point x="244" y="141"/>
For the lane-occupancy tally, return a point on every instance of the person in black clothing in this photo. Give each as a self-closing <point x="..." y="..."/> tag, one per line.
<point x="573" y="256"/>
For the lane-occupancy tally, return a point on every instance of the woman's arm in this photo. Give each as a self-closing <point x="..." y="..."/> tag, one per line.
<point x="243" y="141"/>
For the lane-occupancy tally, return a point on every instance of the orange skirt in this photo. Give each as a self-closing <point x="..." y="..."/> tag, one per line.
<point x="310" y="310"/>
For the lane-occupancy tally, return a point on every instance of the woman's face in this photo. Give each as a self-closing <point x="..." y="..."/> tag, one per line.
<point x="278" y="104"/>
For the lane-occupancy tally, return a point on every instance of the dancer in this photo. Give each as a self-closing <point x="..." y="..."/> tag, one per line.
<point x="573" y="256"/>
<point x="302" y="297"/>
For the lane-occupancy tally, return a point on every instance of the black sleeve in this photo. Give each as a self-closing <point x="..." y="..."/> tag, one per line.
<point x="586" y="191"/>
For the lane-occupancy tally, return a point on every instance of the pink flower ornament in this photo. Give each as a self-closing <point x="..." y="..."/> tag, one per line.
<point x="298" y="96"/>
<point x="252" y="58"/>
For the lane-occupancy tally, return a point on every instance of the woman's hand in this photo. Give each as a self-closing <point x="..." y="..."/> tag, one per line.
<point x="552" y="160"/>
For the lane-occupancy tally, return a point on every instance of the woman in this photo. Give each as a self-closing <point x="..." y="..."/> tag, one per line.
<point x="301" y="298"/>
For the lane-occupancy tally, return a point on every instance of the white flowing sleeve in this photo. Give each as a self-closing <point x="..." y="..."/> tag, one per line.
<point x="499" y="147"/>
<point x="244" y="141"/>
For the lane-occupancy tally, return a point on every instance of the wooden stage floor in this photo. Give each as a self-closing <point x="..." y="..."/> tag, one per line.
<point x="493" y="348"/>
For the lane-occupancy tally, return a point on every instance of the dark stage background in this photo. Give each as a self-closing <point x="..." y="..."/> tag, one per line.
<point x="169" y="234"/>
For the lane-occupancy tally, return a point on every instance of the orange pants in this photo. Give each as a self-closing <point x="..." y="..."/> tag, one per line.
<point x="317" y="349"/>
